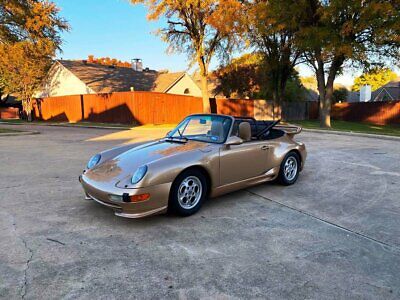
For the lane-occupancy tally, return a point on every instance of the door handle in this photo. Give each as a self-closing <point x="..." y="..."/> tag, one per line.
<point x="264" y="147"/>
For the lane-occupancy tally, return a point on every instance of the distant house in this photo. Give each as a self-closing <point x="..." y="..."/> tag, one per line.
<point x="353" y="96"/>
<point x="213" y="85"/>
<point x="72" y="77"/>
<point x="10" y="101"/>
<point x="388" y="92"/>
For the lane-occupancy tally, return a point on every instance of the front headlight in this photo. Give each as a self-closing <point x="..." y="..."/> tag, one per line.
<point x="94" y="160"/>
<point x="139" y="174"/>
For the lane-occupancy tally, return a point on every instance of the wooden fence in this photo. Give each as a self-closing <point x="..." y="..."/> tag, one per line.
<point x="266" y="110"/>
<point x="158" y="108"/>
<point x="9" y="113"/>
<point x="380" y="113"/>
<point x="124" y="107"/>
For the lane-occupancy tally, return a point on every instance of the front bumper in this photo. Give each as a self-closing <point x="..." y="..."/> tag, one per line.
<point x="156" y="204"/>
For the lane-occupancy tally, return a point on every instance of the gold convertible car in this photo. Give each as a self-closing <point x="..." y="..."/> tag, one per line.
<point x="206" y="155"/>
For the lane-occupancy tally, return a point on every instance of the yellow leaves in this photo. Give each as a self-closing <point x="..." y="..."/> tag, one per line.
<point x="24" y="64"/>
<point x="227" y="16"/>
<point x="376" y="78"/>
<point x="30" y="19"/>
<point x="197" y="27"/>
<point x="29" y="39"/>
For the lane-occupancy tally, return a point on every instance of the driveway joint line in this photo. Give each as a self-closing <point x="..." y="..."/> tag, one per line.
<point x="24" y="287"/>
<point x="381" y="243"/>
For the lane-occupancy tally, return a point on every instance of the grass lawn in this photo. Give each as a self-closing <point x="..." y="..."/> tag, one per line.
<point x="5" y="130"/>
<point x="353" y="127"/>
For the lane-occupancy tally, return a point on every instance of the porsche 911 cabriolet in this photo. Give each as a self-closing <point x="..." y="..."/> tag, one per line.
<point x="205" y="156"/>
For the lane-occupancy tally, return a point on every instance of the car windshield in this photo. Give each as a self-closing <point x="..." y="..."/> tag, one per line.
<point x="204" y="128"/>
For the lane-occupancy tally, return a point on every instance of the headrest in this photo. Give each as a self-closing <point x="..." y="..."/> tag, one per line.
<point x="245" y="131"/>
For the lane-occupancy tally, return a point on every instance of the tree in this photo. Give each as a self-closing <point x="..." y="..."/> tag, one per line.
<point x="195" y="27"/>
<point x="241" y="78"/>
<point x="336" y="32"/>
<point x="29" y="39"/>
<point x="247" y="76"/>
<point x="2" y="85"/>
<point x="376" y="78"/>
<point x="108" y="61"/>
<point x="30" y="20"/>
<point x="295" y="91"/>
<point x="272" y="27"/>
<point x="23" y="66"/>
<point x="339" y="94"/>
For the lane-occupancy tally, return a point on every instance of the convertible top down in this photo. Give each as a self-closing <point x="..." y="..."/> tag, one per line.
<point x="206" y="155"/>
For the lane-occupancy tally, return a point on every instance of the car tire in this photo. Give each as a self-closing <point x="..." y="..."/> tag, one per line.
<point x="188" y="193"/>
<point x="289" y="169"/>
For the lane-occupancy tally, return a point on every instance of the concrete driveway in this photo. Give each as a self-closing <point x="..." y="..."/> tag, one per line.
<point x="333" y="235"/>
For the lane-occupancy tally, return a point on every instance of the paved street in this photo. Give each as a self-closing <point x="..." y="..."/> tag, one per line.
<point x="335" y="234"/>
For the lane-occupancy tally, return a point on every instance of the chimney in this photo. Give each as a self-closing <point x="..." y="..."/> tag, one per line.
<point x="365" y="93"/>
<point x="137" y="64"/>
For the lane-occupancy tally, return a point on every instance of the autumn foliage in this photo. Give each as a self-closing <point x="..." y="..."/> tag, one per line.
<point x="199" y="28"/>
<point x="108" y="61"/>
<point x="376" y="78"/>
<point x="29" y="38"/>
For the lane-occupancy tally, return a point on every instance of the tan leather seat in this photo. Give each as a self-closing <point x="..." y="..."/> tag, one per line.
<point x="245" y="131"/>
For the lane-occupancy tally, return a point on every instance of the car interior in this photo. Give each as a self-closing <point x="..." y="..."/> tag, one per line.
<point x="250" y="129"/>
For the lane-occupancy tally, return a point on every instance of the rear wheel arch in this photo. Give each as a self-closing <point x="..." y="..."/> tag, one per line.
<point x="282" y="175"/>
<point x="298" y="154"/>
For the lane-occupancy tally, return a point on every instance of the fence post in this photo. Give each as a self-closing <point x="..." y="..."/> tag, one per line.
<point x="213" y="105"/>
<point x="82" y="109"/>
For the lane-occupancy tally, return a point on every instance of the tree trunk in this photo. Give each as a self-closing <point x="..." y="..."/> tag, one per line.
<point x="326" y="88"/>
<point x="204" y="92"/>
<point x="324" y="114"/>
<point x="324" y="106"/>
<point x="274" y="104"/>
<point x="204" y="82"/>
<point x="325" y="118"/>
<point x="27" y="108"/>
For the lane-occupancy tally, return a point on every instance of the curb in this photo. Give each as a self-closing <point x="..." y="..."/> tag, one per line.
<point x="358" y="134"/>
<point x="86" y="126"/>
<point x="68" y="125"/>
<point x="19" y="133"/>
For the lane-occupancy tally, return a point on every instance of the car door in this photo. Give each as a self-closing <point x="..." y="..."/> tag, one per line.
<point x="244" y="161"/>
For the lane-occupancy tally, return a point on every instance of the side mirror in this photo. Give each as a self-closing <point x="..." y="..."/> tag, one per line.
<point x="233" y="140"/>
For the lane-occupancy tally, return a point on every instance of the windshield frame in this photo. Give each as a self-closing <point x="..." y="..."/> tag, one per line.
<point x="175" y="130"/>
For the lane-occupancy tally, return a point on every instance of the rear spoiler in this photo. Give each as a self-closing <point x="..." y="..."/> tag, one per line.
<point x="289" y="129"/>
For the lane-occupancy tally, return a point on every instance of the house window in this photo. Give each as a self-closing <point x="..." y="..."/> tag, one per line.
<point x="186" y="91"/>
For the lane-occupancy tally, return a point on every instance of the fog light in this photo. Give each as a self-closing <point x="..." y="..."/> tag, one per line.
<point x="138" y="198"/>
<point x="116" y="198"/>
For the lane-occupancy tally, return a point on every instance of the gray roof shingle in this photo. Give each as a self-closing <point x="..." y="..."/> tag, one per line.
<point x="107" y="79"/>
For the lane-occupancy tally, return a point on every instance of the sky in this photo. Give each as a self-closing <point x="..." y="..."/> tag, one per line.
<point x="118" y="29"/>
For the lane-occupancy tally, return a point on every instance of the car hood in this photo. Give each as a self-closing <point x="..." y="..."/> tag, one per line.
<point x="125" y="164"/>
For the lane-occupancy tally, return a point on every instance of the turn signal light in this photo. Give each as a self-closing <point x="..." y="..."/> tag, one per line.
<point x="138" y="198"/>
